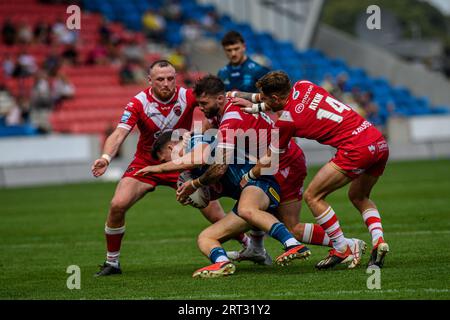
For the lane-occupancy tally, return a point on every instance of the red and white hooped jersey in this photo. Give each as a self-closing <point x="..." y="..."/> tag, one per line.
<point x="312" y="113"/>
<point x="153" y="116"/>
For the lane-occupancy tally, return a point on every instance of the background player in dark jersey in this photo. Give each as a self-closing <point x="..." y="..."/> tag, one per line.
<point x="241" y="73"/>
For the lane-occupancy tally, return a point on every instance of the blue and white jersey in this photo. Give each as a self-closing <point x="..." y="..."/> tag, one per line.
<point x="242" y="77"/>
<point x="230" y="181"/>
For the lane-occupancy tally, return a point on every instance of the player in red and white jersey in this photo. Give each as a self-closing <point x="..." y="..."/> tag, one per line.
<point x="162" y="106"/>
<point x="309" y="111"/>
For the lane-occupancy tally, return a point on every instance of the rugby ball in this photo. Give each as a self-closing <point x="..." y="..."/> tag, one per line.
<point x="201" y="197"/>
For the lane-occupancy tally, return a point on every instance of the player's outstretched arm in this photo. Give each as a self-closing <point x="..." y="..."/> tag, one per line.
<point x="250" y="96"/>
<point x="112" y="145"/>
<point x="191" y="160"/>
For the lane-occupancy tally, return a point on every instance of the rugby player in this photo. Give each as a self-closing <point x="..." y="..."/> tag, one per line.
<point x="241" y="73"/>
<point x="309" y="111"/>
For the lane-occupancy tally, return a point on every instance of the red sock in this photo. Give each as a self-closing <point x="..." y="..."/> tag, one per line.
<point x="372" y="220"/>
<point x="113" y="241"/>
<point x="330" y="223"/>
<point x="314" y="234"/>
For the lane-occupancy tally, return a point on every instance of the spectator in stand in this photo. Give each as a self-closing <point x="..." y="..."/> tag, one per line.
<point x="52" y="62"/>
<point x="140" y="74"/>
<point x="70" y="54"/>
<point x="126" y="73"/>
<point x="26" y="64"/>
<point x="9" y="32"/>
<point x="98" y="55"/>
<point x="41" y="95"/>
<point x="41" y="33"/>
<point x="8" y="65"/>
<point x="25" y="34"/>
<point x="191" y="30"/>
<point x="172" y="10"/>
<point x="178" y="59"/>
<point x="24" y="105"/>
<point x="105" y="32"/>
<point x="7" y="103"/>
<point x="210" y="22"/>
<point x="154" y="25"/>
<point x="14" y="117"/>
<point x="342" y="82"/>
<point x="133" y="51"/>
<point x="62" y="89"/>
<point x="58" y="30"/>
<point x="328" y="84"/>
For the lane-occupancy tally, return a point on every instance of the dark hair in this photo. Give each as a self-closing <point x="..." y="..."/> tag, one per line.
<point x="232" y="37"/>
<point x="275" y="82"/>
<point x="160" y="63"/>
<point x="209" y="85"/>
<point x="163" y="139"/>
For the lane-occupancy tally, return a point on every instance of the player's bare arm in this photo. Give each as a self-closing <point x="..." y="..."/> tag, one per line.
<point x="247" y="105"/>
<point x="211" y="175"/>
<point x="191" y="160"/>
<point x="110" y="149"/>
<point x="255" y="172"/>
<point x="250" y="96"/>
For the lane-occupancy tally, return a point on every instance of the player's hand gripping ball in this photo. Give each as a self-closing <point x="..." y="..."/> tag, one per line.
<point x="201" y="197"/>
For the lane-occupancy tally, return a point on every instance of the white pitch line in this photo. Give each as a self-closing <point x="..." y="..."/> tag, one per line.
<point x="175" y="240"/>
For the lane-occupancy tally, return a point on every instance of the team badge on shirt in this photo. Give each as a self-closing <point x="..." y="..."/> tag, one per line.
<point x="177" y="110"/>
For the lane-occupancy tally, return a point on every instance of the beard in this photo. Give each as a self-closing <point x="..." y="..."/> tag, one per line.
<point x="163" y="94"/>
<point x="211" y="113"/>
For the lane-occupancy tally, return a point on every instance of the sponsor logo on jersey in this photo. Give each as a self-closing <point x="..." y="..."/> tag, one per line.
<point x="383" y="146"/>
<point x="129" y="105"/>
<point x="366" y="124"/>
<point x="299" y="108"/>
<point x="308" y="92"/>
<point x="235" y="74"/>
<point x="177" y="110"/>
<point x="286" y="116"/>
<point x="274" y="193"/>
<point x="125" y="116"/>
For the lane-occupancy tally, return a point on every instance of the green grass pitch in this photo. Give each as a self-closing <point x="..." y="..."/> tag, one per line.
<point x="46" y="229"/>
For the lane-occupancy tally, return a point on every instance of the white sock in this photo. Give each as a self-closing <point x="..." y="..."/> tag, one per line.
<point x="257" y="239"/>
<point x="291" y="242"/>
